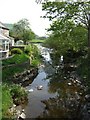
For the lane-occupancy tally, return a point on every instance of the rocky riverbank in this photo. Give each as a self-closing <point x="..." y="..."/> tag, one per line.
<point x="23" y="79"/>
<point x="26" y="77"/>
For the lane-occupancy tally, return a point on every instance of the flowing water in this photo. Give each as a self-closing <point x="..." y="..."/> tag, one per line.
<point x="58" y="98"/>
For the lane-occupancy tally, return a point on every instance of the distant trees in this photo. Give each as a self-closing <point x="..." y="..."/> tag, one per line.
<point x="21" y="30"/>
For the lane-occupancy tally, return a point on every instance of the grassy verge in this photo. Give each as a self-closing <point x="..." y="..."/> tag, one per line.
<point x="8" y="72"/>
<point x="16" y="59"/>
<point x="37" y="41"/>
<point x="15" y="94"/>
<point x="7" y="101"/>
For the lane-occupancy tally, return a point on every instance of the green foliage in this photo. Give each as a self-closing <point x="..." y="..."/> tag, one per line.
<point x="16" y="59"/>
<point x="69" y="26"/>
<point x="63" y="10"/>
<point x="69" y="31"/>
<point x="38" y="40"/>
<point x="27" y="49"/>
<point x="6" y="100"/>
<point x="18" y="94"/>
<point x="13" y="94"/>
<point x="16" y="51"/>
<point x="35" y="62"/>
<point x="31" y="50"/>
<point x="33" y="53"/>
<point x="22" y="31"/>
<point x="8" y="72"/>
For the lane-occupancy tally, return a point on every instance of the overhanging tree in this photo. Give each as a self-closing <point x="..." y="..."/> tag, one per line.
<point x="68" y="17"/>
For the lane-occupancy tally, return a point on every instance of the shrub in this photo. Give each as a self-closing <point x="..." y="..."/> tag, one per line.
<point x="16" y="51"/>
<point x="19" y="94"/>
<point x="16" y="59"/>
<point x="35" y="63"/>
<point x="27" y="49"/>
<point x="6" y="100"/>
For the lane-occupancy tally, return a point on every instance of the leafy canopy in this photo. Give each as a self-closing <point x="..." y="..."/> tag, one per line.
<point x="69" y="24"/>
<point x="21" y="30"/>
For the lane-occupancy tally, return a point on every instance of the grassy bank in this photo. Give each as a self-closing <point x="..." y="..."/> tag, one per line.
<point x="8" y="72"/>
<point x="37" y="41"/>
<point x="11" y="93"/>
<point x="16" y="59"/>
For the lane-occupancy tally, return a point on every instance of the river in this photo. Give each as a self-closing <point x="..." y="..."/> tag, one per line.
<point x="58" y="98"/>
<point x="35" y="107"/>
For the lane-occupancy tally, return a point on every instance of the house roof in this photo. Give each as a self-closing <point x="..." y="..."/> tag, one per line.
<point x="3" y="26"/>
<point x="2" y="37"/>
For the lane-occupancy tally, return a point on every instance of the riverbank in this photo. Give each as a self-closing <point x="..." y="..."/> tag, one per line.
<point x="17" y="72"/>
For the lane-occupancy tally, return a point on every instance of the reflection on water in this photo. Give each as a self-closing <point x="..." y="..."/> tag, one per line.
<point x="62" y="96"/>
<point x="68" y="102"/>
<point x="35" y="107"/>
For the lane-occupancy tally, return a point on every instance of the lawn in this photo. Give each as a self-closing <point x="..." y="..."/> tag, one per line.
<point x="37" y="41"/>
<point x="16" y="59"/>
<point x="8" y="72"/>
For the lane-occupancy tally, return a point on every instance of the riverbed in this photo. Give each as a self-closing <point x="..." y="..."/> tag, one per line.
<point x="35" y="107"/>
<point x="58" y="98"/>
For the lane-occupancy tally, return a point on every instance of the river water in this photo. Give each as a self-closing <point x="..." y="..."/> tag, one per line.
<point x="61" y="98"/>
<point x="35" y="107"/>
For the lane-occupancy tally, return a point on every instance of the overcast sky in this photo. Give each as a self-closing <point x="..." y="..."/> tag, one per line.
<point x="11" y="11"/>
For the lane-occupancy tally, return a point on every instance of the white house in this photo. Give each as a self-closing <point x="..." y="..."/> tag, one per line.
<point x="5" y="41"/>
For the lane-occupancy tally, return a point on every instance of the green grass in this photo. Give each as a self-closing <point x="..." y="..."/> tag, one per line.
<point x="6" y="100"/>
<point x="37" y="41"/>
<point x="8" y="92"/>
<point x="35" y="63"/>
<point x="16" y="59"/>
<point x="8" y="72"/>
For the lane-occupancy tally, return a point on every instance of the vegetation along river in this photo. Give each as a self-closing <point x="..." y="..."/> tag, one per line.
<point x="50" y="96"/>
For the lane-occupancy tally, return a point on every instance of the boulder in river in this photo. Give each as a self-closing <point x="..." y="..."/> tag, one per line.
<point x="39" y="87"/>
<point x="30" y="90"/>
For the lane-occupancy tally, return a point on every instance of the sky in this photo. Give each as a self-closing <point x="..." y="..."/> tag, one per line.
<point x="11" y="11"/>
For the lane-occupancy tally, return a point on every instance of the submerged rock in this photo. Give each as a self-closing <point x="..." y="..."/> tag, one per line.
<point x="22" y="116"/>
<point x="30" y="90"/>
<point x="69" y="83"/>
<point x="39" y="87"/>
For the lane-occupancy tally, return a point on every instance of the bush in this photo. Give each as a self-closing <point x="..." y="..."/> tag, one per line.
<point x="16" y="51"/>
<point x="16" y="59"/>
<point x="35" y="63"/>
<point x="27" y="49"/>
<point x="7" y="101"/>
<point x="19" y="94"/>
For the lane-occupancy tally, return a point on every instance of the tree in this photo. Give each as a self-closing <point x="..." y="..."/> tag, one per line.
<point x="67" y="18"/>
<point x="69" y="26"/>
<point x="78" y="11"/>
<point x="21" y="30"/>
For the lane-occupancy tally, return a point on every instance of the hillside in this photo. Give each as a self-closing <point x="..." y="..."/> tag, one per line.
<point x="8" y="25"/>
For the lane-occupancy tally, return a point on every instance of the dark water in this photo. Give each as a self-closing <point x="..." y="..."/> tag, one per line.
<point x="35" y="107"/>
<point x="59" y="98"/>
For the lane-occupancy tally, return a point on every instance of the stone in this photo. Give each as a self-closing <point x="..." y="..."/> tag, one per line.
<point x="69" y="83"/>
<point x="39" y="87"/>
<point x="22" y="115"/>
<point x="30" y="90"/>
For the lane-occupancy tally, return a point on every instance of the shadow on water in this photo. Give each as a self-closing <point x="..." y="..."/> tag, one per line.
<point x="62" y="96"/>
